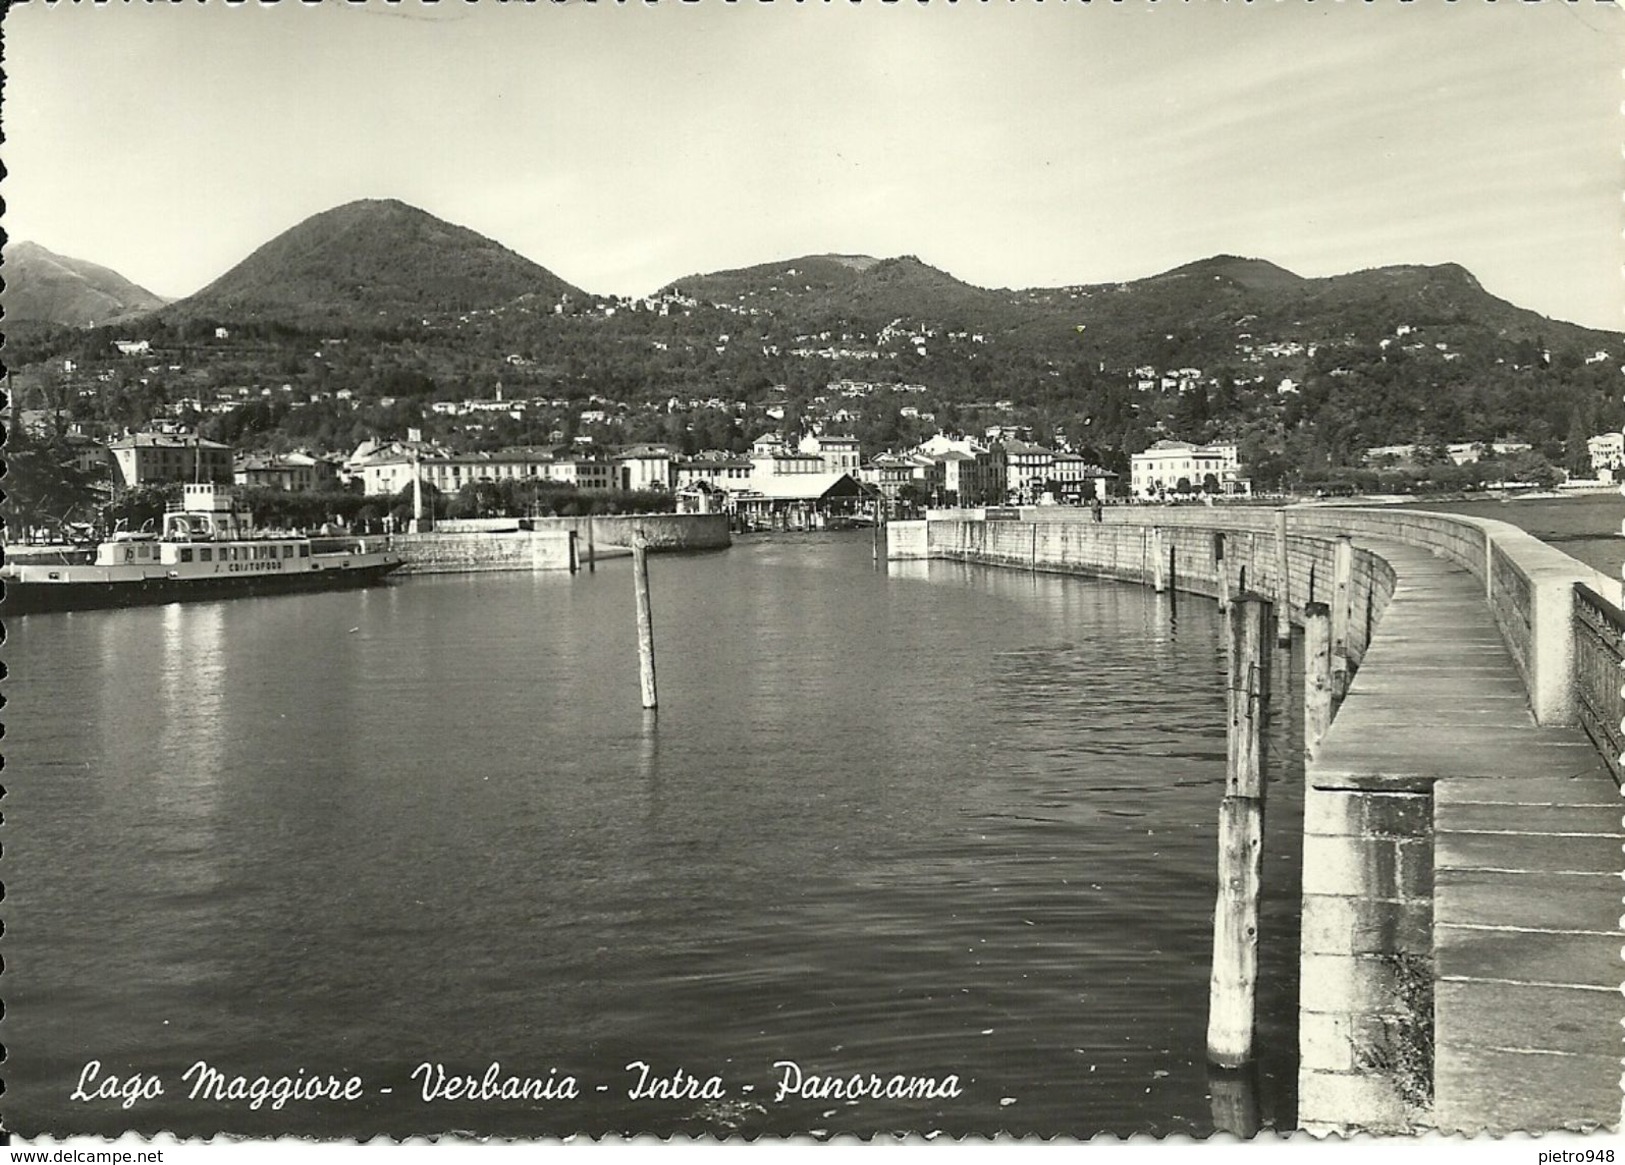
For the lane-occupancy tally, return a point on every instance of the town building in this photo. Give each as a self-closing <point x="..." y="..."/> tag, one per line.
<point x="1180" y="467"/>
<point x="293" y="472"/>
<point x="161" y="458"/>
<point x="387" y="468"/>
<point x="839" y="454"/>
<point x="1024" y="467"/>
<point x="1074" y="478"/>
<point x="718" y="471"/>
<point x="645" y="467"/>
<point x="1607" y="454"/>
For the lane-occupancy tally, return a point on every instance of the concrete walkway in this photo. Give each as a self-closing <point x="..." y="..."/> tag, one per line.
<point x="1526" y="841"/>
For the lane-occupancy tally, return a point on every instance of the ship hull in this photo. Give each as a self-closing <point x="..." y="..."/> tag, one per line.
<point x="31" y="597"/>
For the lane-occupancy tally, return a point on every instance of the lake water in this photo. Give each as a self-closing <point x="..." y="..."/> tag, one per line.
<point x="931" y="820"/>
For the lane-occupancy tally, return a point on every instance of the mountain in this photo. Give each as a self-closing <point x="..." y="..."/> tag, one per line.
<point x="1231" y="271"/>
<point x="371" y="262"/>
<point x="1215" y="309"/>
<point x="858" y="288"/>
<point x="43" y="287"/>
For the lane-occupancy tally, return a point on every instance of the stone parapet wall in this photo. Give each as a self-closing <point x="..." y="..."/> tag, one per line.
<point x="662" y="532"/>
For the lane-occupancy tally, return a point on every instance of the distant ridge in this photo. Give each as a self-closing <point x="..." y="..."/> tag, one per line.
<point x="1251" y="274"/>
<point x="369" y="262"/>
<point x="43" y="287"/>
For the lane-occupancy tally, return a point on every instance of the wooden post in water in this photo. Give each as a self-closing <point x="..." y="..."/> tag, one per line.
<point x="1317" y="676"/>
<point x="1342" y="591"/>
<point x="646" y="630"/>
<point x="1221" y="572"/>
<point x="1241" y="838"/>
<point x="1159" y="575"/>
<point x="877" y="554"/>
<point x="592" y="547"/>
<point x="1234" y="1100"/>
<point x="1283" y="584"/>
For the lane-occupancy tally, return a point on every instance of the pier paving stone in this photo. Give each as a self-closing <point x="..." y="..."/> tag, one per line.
<point x="1539" y="817"/>
<point x="1456" y="850"/>
<point x="1585" y="960"/>
<point x="1485" y="1090"/>
<point x="1528" y="1017"/>
<point x="1527" y="964"/>
<point x="1527" y="900"/>
<point x="1586" y="786"/>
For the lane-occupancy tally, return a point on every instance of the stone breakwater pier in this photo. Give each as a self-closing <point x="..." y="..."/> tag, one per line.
<point x="552" y="543"/>
<point x="1460" y="948"/>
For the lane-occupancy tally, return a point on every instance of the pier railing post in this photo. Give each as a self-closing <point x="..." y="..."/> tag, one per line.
<point x="646" y="631"/>
<point x="1283" y="584"/>
<point x="1317" y="676"/>
<point x="1241" y="838"/>
<point x="1342" y="592"/>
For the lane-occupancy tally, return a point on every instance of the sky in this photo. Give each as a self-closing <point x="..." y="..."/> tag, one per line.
<point x="1013" y="143"/>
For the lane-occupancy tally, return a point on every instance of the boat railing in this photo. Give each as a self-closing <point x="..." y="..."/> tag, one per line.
<point x="341" y="545"/>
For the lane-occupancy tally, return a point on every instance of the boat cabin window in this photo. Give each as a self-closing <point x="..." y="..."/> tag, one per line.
<point x="205" y="555"/>
<point x="186" y="554"/>
<point x="287" y="550"/>
<point x="304" y="551"/>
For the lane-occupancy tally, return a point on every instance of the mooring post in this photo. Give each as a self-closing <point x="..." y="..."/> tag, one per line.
<point x="1283" y="584"/>
<point x="574" y="548"/>
<point x="592" y="547"/>
<point x="876" y="535"/>
<point x="1221" y="573"/>
<point x="1159" y="575"/>
<point x="1342" y="592"/>
<point x="1241" y="838"/>
<point x="646" y="630"/>
<point x="1317" y="676"/>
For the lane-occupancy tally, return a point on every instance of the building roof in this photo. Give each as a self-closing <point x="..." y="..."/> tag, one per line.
<point x="1015" y="445"/>
<point x="164" y="441"/>
<point x="803" y="487"/>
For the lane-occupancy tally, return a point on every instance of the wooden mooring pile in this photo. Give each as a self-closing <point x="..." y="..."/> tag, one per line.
<point x="1234" y="980"/>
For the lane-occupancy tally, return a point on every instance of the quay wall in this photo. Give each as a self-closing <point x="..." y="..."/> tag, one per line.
<point x="435" y="553"/>
<point x="663" y="531"/>
<point x="1201" y="557"/>
<point x="1528" y="585"/>
<point x="552" y="543"/>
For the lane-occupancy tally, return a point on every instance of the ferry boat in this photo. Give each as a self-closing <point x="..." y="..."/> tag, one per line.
<point x="206" y="550"/>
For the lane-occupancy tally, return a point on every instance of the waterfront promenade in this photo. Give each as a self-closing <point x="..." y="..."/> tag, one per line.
<point x="1462" y="843"/>
<point x="1522" y="874"/>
